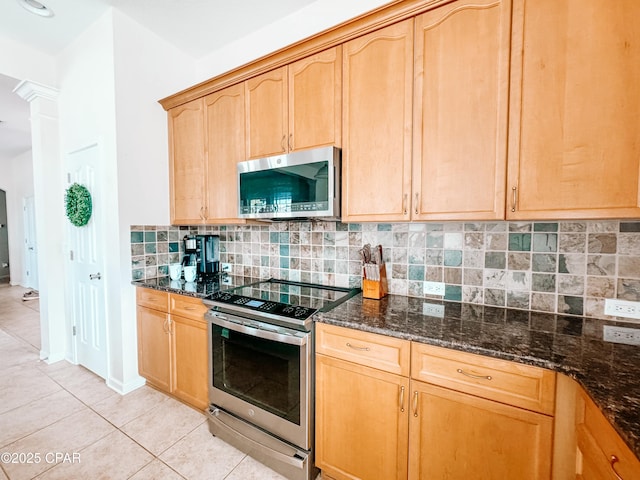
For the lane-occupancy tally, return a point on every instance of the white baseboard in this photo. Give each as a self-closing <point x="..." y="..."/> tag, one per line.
<point x="124" y="388"/>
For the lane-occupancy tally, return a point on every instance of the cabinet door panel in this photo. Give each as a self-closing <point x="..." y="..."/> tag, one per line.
<point x="459" y="436"/>
<point x="575" y="113"/>
<point x="315" y="100"/>
<point x="191" y="360"/>
<point x="187" y="169"/>
<point x="361" y="430"/>
<point x="266" y="121"/>
<point x="461" y="102"/>
<point x="154" y="347"/>
<point x="598" y="442"/>
<point x="225" y="116"/>
<point x="377" y="110"/>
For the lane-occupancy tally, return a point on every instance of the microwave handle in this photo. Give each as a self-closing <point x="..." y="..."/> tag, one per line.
<point x="223" y="321"/>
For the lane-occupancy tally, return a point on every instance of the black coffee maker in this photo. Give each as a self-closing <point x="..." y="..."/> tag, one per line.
<point x="203" y="251"/>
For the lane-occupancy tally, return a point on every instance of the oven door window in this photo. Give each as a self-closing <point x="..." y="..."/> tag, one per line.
<point x="264" y="373"/>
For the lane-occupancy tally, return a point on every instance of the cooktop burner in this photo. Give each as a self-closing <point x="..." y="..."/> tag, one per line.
<point x="282" y="299"/>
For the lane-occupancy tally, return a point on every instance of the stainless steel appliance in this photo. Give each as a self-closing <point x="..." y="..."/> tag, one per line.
<point x="261" y="370"/>
<point x="203" y="251"/>
<point x="299" y="184"/>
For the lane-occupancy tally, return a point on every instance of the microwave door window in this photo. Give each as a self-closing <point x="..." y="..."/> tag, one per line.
<point x="276" y="189"/>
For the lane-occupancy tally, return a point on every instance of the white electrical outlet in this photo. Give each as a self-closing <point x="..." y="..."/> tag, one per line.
<point x="621" y="308"/>
<point x="433" y="310"/>
<point x="434" y="288"/>
<point x="226" y="267"/>
<point x="227" y="280"/>
<point x="630" y="336"/>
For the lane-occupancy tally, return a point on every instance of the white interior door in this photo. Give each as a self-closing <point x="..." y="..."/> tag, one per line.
<point x="87" y="267"/>
<point x="30" y="245"/>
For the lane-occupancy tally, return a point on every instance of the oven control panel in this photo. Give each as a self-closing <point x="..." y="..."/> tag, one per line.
<point x="266" y="306"/>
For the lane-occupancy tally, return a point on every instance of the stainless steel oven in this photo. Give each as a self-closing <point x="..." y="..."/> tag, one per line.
<point x="261" y="370"/>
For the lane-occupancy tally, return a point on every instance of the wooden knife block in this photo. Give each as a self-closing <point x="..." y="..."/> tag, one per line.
<point x="376" y="289"/>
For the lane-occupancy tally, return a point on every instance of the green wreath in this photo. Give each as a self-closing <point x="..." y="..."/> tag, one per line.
<point x="78" y="204"/>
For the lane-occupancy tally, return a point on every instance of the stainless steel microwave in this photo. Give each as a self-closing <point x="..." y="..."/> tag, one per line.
<point x="304" y="184"/>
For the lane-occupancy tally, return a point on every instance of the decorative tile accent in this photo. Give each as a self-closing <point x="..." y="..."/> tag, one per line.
<point x="520" y="242"/>
<point x="566" y="267"/>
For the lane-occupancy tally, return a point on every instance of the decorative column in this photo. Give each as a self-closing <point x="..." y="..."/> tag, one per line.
<point x="48" y="179"/>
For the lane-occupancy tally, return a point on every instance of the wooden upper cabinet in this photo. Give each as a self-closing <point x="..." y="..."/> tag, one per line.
<point x="315" y="100"/>
<point x="460" y="111"/>
<point x="295" y="107"/>
<point x="575" y="111"/>
<point x="187" y="168"/>
<point x="225" y="130"/>
<point x="266" y="113"/>
<point x="377" y="109"/>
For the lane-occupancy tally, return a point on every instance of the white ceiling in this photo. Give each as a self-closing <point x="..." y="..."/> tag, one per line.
<point x="196" y="27"/>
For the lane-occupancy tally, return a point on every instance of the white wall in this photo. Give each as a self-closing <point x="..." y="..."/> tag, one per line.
<point x="87" y="116"/>
<point x="312" y="19"/>
<point x="25" y="63"/>
<point x="156" y="70"/>
<point x="17" y="181"/>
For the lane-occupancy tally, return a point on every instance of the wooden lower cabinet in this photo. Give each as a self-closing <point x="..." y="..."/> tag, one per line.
<point x="154" y="347"/>
<point x="189" y="345"/>
<point x="601" y="453"/>
<point x="361" y="421"/>
<point x="453" y="435"/>
<point x="373" y="424"/>
<point x="172" y="345"/>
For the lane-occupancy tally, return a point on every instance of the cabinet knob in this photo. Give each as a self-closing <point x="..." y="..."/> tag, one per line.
<point x="612" y="461"/>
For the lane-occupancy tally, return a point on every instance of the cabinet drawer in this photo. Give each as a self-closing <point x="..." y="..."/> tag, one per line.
<point x="370" y="349"/>
<point x="598" y="442"/>
<point x="187" y="307"/>
<point x="154" y="299"/>
<point x="508" y="382"/>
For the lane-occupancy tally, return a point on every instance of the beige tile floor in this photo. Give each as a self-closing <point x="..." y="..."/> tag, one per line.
<point x="61" y="421"/>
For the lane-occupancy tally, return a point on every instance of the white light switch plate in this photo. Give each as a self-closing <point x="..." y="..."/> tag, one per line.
<point x="434" y="288"/>
<point x="621" y="308"/>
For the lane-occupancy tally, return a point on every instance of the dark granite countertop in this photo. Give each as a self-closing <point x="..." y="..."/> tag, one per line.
<point x="194" y="289"/>
<point x="609" y="372"/>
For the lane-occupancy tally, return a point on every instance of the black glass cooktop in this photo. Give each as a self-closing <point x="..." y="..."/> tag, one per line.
<point x="284" y="298"/>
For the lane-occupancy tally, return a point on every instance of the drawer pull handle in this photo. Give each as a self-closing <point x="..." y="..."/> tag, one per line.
<point x="613" y="462"/>
<point x="415" y="403"/>
<point x="479" y="377"/>
<point x="364" y="349"/>
<point x="189" y="308"/>
<point x="402" y="399"/>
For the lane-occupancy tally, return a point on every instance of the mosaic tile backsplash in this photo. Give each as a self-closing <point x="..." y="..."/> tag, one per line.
<point x="563" y="267"/>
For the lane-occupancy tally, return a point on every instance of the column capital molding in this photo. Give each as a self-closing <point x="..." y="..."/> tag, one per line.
<point x="29" y="91"/>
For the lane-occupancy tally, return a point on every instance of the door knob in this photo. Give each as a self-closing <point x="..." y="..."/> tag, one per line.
<point x="95" y="276"/>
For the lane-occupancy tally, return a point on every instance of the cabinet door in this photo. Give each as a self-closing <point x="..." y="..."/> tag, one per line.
<point x="460" y="111"/>
<point x="190" y="361"/>
<point x="266" y="113"/>
<point x="154" y="347"/>
<point x="187" y="169"/>
<point x="456" y="436"/>
<point x="602" y="454"/>
<point x="361" y="421"/>
<point x="377" y="110"/>
<point x="315" y="100"/>
<point x="225" y="117"/>
<point x="575" y="111"/>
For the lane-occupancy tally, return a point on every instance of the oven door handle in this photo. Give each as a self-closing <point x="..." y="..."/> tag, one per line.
<point x="223" y="321"/>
